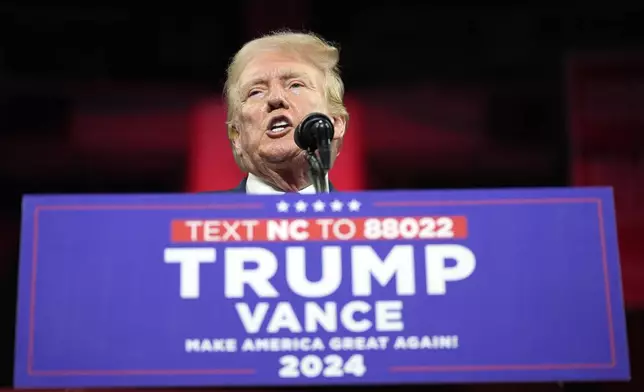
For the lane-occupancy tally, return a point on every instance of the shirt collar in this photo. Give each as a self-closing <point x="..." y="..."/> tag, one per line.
<point x="257" y="186"/>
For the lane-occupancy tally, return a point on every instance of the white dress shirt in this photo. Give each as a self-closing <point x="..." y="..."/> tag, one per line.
<point x="257" y="186"/>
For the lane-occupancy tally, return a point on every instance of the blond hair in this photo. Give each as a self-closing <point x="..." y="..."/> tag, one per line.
<point x="310" y="47"/>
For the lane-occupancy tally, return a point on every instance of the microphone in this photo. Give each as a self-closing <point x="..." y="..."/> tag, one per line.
<point x="315" y="132"/>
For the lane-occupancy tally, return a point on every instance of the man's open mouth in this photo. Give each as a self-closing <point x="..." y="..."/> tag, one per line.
<point x="279" y="125"/>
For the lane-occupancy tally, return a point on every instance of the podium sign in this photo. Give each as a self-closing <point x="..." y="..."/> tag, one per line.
<point x="342" y="288"/>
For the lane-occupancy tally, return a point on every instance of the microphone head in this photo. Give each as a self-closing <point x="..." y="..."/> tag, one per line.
<point x="312" y="127"/>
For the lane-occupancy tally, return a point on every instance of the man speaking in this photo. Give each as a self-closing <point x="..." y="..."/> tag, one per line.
<point x="272" y="84"/>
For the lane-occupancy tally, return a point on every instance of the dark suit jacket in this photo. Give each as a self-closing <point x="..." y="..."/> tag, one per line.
<point x="241" y="188"/>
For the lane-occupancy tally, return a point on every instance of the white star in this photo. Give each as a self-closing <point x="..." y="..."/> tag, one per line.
<point x="354" y="205"/>
<point x="336" y="205"/>
<point x="282" y="206"/>
<point x="318" y="206"/>
<point x="300" y="206"/>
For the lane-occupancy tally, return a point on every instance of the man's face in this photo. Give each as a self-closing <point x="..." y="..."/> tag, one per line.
<point x="277" y="91"/>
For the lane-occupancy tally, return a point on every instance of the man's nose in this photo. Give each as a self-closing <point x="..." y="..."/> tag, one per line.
<point x="276" y="100"/>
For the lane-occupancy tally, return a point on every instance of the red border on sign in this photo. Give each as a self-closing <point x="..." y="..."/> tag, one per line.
<point x="393" y="369"/>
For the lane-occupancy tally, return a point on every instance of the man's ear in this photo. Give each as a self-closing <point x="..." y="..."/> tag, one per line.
<point x="233" y="136"/>
<point x="233" y="133"/>
<point x="235" y="144"/>
<point x="339" y="127"/>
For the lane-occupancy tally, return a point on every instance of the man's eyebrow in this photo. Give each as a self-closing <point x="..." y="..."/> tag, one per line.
<point x="283" y="76"/>
<point x="252" y="82"/>
<point x="293" y="75"/>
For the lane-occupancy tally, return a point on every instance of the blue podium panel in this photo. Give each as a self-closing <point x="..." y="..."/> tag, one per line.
<point x="342" y="288"/>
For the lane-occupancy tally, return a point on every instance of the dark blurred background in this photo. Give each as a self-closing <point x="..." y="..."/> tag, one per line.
<point x="127" y="98"/>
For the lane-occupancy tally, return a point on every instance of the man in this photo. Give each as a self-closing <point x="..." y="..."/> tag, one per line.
<point x="272" y="83"/>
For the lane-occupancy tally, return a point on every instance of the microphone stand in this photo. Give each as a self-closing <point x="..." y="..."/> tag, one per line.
<point x="317" y="173"/>
<point x="319" y="163"/>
